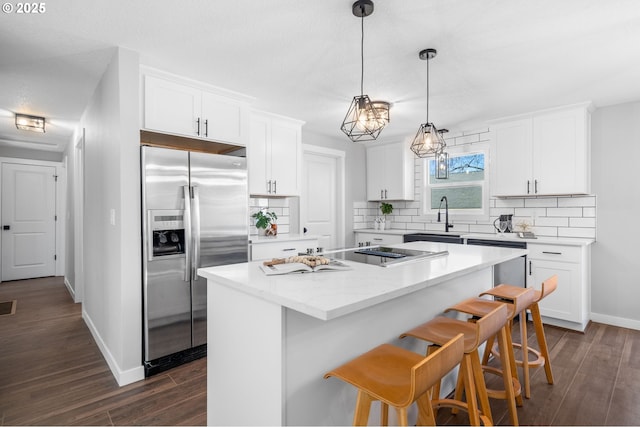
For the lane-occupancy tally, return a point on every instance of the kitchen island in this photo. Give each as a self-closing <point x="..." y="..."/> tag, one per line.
<point x="271" y="338"/>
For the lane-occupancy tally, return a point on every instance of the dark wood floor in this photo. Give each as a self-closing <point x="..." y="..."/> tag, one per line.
<point x="52" y="373"/>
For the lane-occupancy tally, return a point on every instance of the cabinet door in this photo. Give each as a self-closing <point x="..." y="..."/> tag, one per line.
<point x="566" y="302"/>
<point x="395" y="171"/>
<point x="171" y="107"/>
<point x="559" y="152"/>
<point x="376" y="173"/>
<point x="222" y="119"/>
<point x="259" y="155"/>
<point x="511" y="158"/>
<point x="285" y="158"/>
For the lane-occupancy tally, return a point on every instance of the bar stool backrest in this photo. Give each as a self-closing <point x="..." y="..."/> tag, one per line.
<point x="491" y="323"/>
<point x="548" y="286"/>
<point x="435" y="366"/>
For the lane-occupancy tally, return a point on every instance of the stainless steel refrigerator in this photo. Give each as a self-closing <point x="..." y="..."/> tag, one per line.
<point x="194" y="214"/>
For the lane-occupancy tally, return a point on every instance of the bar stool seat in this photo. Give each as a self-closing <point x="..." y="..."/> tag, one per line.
<point x="440" y="329"/>
<point x="398" y="377"/>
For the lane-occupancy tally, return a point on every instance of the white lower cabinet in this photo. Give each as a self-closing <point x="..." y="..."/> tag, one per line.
<point x="568" y="306"/>
<point x="372" y="239"/>
<point x="285" y="249"/>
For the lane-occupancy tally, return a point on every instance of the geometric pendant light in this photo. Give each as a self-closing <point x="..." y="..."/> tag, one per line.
<point x="365" y="118"/>
<point x="428" y="141"/>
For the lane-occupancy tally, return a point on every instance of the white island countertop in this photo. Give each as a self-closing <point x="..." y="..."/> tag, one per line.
<point x="328" y="295"/>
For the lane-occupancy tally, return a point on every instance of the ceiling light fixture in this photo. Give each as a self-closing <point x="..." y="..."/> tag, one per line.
<point x="428" y="141"/>
<point x="32" y="123"/>
<point x="365" y="119"/>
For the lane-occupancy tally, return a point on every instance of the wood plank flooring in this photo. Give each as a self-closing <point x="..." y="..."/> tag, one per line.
<point x="52" y="373"/>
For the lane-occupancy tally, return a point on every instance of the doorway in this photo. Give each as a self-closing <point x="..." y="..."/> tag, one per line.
<point x="28" y="216"/>
<point x="323" y="195"/>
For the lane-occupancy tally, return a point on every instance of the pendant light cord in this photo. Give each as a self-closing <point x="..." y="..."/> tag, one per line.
<point x="427" y="89"/>
<point x="362" y="52"/>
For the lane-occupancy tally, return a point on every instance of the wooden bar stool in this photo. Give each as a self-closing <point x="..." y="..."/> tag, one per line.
<point x="440" y="330"/>
<point x="398" y="377"/>
<point x="542" y="356"/>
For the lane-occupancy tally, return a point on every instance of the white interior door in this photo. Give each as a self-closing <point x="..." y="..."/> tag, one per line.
<point x="28" y="221"/>
<point x="322" y="209"/>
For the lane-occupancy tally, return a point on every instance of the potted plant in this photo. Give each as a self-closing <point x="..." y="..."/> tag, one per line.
<point x="386" y="209"/>
<point x="266" y="221"/>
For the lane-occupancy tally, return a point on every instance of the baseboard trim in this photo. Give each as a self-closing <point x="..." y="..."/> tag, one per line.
<point x="70" y="289"/>
<point x="615" y="321"/>
<point x="122" y="377"/>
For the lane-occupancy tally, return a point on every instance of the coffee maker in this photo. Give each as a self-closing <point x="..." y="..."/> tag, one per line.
<point x="505" y="223"/>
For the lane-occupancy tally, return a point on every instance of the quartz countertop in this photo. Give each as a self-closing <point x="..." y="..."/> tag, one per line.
<point x="330" y="294"/>
<point x="254" y="239"/>
<point x="548" y="240"/>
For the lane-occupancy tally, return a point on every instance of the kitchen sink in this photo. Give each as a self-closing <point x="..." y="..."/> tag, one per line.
<point x="433" y="237"/>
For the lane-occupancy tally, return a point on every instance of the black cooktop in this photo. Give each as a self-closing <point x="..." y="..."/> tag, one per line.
<point x="384" y="256"/>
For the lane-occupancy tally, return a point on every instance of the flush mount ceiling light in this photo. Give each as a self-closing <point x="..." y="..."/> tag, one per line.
<point x="428" y="141"/>
<point x="365" y="119"/>
<point x="32" y="123"/>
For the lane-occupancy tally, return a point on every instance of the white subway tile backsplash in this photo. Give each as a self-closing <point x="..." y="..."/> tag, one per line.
<point x="510" y="203"/>
<point x="582" y="222"/>
<point x="360" y="205"/>
<point x="577" y="232"/>
<point x="467" y="139"/>
<point x="532" y="213"/>
<point x="589" y="212"/>
<point x="542" y="202"/>
<point x="551" y="222"/>
<point x="581" y="201"/>
<point x="564" y="212"/>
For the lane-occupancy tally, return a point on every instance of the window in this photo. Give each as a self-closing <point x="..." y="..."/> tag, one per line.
<point x="466" y="187"/>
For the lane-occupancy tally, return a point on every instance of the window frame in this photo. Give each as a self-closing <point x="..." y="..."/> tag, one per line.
<point x="461" y="214"/>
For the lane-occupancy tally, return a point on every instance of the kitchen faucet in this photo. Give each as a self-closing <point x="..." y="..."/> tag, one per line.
<point x="447" y="226"/>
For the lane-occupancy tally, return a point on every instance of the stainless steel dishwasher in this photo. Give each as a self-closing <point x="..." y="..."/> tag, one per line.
<point x="513" y="272"/>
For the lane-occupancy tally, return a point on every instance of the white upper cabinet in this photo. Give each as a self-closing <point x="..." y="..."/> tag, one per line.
<point x="186" y="109"/>
<point x="543" y="153"/>
<point x="390" y="172"/>
<point x="274" y="155"/>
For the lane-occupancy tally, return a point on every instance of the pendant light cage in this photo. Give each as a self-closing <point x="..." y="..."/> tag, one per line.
<point x="365" y="119"/>
<point x="428" y="140"/>
<point x="442" y="165"/>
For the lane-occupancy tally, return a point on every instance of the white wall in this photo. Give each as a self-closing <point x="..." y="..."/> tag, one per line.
<point x="615" y="152"/>
<point x="112" y="304"/>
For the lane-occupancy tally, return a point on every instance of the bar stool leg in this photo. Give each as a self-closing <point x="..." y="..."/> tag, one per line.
<point x="363" y="405"/>
<point x="478" y="375"/>
<point x="384" y="414"/>
<point x="525" y="354"/>
<point x="466" y="370"/>
<point x="402" y="416"/>
<point x="504" y="344"/>
<point x="542" y="341"/>
<point x="426" y="414"/>
<point x="487" y="350"/>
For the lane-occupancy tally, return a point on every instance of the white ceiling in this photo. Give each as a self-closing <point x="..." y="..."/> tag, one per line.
<point x="301" y="57"/>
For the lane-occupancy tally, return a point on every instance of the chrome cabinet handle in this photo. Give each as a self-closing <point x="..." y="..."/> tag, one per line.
<point x="528" y="186"/>
<point x="275" y="187"/>
<point x="269" y="186"/>
<point x="385" y="194"/>
<point x="198" y="126"/>
<point x="552" y="253"/>
<point x="381" y="195"/>
<point x="529" y="268"/>
<point x="535" y="186"/>
<point x="206" y="128"/>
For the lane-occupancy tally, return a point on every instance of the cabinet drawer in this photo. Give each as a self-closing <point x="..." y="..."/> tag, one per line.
<point x="281" y="249"/>
<point x="378" y="238"/>
<point x="555" y="253"/>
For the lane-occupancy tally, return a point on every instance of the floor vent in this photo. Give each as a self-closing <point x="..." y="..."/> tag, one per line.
<point x="8" y="307"/>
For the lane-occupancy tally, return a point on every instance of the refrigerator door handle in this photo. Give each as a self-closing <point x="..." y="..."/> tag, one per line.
<point x="195" y="210"/>
<point x="187" y="232"/>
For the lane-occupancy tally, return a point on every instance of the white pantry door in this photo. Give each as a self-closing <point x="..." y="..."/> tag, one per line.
<point x="28" y="221"/>
<point x="320" y="197"/>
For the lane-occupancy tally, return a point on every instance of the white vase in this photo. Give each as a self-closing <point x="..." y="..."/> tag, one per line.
<point x="382" y="226"/>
